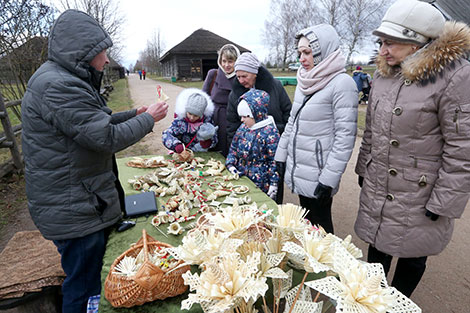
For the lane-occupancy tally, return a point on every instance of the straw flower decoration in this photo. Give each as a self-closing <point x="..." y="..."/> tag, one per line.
<point x="291" y="218"/>
<point x="175" y="229"/>
<point x="199" y="246"/>
<point x="226" y="282"/>
<point x="314" y="250"/>
<point x="269" y="262"/>
<point x="362" y="287"/>
<point x="127" y="266"/>
<point x="234" y="219"/>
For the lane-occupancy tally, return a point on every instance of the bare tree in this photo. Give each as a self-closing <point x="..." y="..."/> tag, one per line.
<point x="108" y="14"/>
<point x="354" y="21"/>
<point x="361" y="18"/>
<point x="24" y="26"/>
<point x="280" y="30"/>
<point x="153" y="51"/>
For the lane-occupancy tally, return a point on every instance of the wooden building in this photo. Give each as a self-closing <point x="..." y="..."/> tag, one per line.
<point x="192" y="58"/>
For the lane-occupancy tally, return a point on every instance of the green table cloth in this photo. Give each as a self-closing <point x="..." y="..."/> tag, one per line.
<point x="120" y="242"/>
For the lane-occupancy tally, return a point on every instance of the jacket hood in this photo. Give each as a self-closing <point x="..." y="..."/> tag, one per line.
<point x="429" y="61"/>
<point x="219" y="58"/>
<point x="182" y="99"/>
<point x="258" y="101"/>
<point x="75" y="39"/>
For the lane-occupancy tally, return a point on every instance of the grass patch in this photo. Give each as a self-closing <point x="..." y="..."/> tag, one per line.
<point x="120" y="97"/>
<point x="280" y="73"/>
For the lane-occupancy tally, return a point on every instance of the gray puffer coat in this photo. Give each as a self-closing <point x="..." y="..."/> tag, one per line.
<point x="416" y="147"/>
<point x="317" y="145"/>
<point x="70" y="135"/>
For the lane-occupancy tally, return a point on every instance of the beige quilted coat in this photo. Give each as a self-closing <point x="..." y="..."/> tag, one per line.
<point x="415" y="153"/>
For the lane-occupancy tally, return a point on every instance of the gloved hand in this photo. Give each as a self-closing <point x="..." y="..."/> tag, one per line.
<point x="179" y="148"/>
<point x="272" y="192"/>
<point x="206" y="131"/>
<point x="281" y="168"/>
<point x="432" y="216"/>
<point x="233" y="170"/>
<point x="322" y="192"/>
<point x="360" y="181"/>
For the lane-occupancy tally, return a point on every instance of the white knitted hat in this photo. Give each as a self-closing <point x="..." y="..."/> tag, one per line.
<point x="411" y="21"/>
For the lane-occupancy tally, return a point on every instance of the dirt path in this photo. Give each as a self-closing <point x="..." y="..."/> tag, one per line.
<point x="144" y="92"/>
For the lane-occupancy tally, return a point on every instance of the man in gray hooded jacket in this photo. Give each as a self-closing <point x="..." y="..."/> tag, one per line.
<point x="69" y="141"/>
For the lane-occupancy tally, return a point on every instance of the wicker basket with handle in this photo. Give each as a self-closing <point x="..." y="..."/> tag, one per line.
<point x="149" y="284"/>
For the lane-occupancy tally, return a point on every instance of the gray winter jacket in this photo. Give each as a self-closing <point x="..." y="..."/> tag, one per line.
<point x="317" y="145"/>
<point x="70" y="135"/>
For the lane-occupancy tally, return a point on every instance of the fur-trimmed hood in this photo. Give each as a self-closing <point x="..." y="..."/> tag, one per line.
<point x="182" y="99"/>
<point x="424" y="65"/>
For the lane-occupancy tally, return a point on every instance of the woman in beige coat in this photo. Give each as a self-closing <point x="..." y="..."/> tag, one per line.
<point x="414" y="158"/>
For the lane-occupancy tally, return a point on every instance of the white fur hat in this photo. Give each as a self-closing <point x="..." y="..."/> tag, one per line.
<point x="411" y="21"/>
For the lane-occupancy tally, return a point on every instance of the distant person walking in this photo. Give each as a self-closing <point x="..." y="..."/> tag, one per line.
<point x="413" y="163"/>
<point x="144" y="73"/>
<point x="140" y="74"/>
<point x="218" y="85"/>
<point x="363" y="82"/>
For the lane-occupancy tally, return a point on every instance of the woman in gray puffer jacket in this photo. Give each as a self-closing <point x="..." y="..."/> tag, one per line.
<point x="414" y="156"/>
<point x="319" y="137"/>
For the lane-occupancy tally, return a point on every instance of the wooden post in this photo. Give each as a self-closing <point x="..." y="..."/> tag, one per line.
<point x="10" y="136"/>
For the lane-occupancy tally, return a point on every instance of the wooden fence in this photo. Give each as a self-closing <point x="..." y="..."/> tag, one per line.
<point x="8" y="137"/>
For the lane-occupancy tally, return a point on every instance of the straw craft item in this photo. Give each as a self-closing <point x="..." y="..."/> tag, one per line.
<point x="149" y="283"/>
<point x="157" y="161"/>
<point x="186" y="156"/>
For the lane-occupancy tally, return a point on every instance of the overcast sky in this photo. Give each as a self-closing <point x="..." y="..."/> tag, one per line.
<point x="241" y="21"/>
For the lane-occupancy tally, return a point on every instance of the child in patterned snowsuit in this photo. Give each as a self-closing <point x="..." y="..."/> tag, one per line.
<point x="192" y="126"/>
<point x="255" y="142"/>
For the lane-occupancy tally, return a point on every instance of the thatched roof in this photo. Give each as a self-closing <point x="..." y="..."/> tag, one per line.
<point x="458" y="10"/>
<point x="200" y="42"/>
<point x="113" y="63"/>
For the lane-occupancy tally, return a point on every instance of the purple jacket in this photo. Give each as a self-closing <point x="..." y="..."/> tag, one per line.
<point x="219" y="95"/>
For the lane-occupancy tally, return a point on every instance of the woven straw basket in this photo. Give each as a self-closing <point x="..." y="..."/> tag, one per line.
<point x="149" y="284"/>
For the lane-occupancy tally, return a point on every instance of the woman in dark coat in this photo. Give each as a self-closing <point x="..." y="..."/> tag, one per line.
<point x="218" y="85"/>
<point x="250" y="74"/>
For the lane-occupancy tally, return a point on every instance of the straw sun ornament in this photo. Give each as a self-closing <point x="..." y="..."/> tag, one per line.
<point x="235" y="219"/>
<point x="226" y="281"/>
<point x="199" y="246"/>
<point x="362" y="287"/>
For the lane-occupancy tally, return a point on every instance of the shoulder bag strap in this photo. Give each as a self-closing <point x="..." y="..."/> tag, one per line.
<point x="212" y="82"/>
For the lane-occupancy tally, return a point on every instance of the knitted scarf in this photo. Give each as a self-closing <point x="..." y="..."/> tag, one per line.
<point x="321" y="74"/>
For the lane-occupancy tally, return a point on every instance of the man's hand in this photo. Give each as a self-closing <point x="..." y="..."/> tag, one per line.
<point x="158" y="110"/>
<point x="142" y="109"/>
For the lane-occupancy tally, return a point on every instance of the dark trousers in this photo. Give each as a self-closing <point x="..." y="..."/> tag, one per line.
<point x="281" y="170"/>
<point x="82" y="260"/>
<point x="408" y="272"/>
<point x="319" y="212"/>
